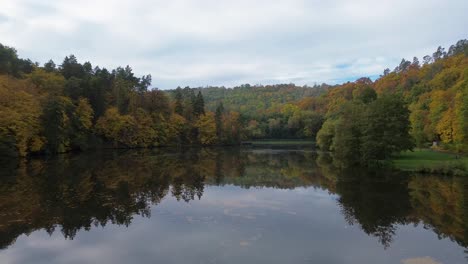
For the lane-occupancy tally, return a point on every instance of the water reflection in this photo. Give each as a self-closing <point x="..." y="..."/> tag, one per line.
<point x="71" y="193"/>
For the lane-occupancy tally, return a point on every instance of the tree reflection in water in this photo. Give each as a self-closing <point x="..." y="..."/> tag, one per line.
<point x="77" y="192"/>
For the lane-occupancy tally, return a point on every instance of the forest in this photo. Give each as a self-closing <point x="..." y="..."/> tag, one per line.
<point x="50" y="108"/>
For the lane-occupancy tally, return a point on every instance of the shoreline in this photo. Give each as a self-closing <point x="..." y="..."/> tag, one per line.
<point x="429" y="161"/>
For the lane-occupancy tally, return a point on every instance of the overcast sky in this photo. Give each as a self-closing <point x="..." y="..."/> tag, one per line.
<point x="217" y="42"/>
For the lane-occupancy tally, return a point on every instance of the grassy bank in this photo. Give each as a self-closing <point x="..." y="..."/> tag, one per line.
<point x="429" y="161"/>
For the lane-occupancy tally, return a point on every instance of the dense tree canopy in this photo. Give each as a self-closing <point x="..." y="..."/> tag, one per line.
<point x="72" y="105"/>
<point x="55" y="109"/>
<point x="414" y="104"/>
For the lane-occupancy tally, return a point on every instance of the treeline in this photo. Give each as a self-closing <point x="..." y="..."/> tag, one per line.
<point x="73" y="106"/>
<point x="434" y="90"/>
<point x="366" y="129"/>
<point x="258" y="100"/>
<point x="51" y="109"/>
<point x="269" y="111"/>
<point x="416" y="104"/>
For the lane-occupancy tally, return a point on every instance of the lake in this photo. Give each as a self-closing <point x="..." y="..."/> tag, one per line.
<point x="235" y="205"/>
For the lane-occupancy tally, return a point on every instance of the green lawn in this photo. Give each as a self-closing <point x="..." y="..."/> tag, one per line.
<point x="426" y="158"/>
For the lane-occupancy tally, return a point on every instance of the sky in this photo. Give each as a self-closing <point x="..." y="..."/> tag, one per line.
<point x="218" y="42"/>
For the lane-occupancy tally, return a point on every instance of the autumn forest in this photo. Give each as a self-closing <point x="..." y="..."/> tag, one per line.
<point x="55" y="108"/>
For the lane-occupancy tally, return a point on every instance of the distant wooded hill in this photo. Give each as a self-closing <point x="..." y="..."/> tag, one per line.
<point x="257" y="100"/>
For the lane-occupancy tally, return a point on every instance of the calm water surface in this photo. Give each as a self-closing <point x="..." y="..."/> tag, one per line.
<point x="226" y="206"/>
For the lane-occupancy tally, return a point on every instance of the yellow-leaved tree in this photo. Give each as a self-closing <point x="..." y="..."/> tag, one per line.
<point x="207" y="129"/>
<point x="20" y="112"/>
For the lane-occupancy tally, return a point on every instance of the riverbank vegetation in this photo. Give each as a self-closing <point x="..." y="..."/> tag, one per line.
<point x="53" y="108"/>
<point x="50" y="109"/>
<point x="413" y="105"/>
<point x="433" y="162"/>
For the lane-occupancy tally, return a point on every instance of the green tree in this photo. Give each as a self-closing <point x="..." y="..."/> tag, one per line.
<point x="50" y="66"/>
<point x="347" y="145"/>
<point x="57" y="124"/>
<point x="179" y="106"/>
<point x="82" y="123"/>
<point x="313" y="121"/>
<point x="219" y="121"/>
<point x="199" y="107"/>
<point x="365" y="94"/>
<point x="71" y="68"/>
<point x="122" y="90"/>
<point x="385" y="131"/>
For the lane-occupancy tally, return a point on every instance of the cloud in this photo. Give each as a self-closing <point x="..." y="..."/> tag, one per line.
<point x="213" y="42"/>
